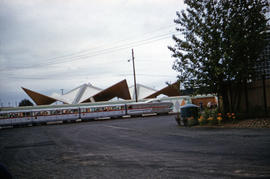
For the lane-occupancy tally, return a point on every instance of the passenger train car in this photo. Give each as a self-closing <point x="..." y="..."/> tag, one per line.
<point x="22" y="116"/>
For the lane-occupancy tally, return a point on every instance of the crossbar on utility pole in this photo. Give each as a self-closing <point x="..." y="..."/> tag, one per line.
<point x="135" y="86"/>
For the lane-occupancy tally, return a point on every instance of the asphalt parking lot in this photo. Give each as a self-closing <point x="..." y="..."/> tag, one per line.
<point x="151" y="147"/>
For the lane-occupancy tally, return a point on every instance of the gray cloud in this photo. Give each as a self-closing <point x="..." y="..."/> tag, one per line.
<point x="40" y="41"/>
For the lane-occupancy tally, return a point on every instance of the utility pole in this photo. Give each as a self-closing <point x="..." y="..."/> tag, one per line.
<point x="135" y="86"/>
<point x="62" y="91"/>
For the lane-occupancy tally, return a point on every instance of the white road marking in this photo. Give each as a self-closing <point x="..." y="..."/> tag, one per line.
<point x="116" y="127"/>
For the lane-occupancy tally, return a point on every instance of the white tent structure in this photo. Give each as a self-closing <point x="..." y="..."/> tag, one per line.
<point x="86" y="93"/>
<point x="78" y="94"/>
<point x="142" y="91"/>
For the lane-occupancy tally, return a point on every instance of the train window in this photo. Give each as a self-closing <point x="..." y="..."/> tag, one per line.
<point x="129" y="107"/>
<point x="45" y="113"/>
<point x="3" y="115"/>
<point x="37" y="113"/>
<point x="85" y="110"/>
<point x="67" y="111"/>
<point x="56" y="112"/>
<point x="10" y="115"/>
<point x="26" y="114"/>
<point x="74" y="111"/>
<point x="16" y="114"/>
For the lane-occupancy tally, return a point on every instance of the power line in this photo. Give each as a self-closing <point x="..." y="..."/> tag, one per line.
<point x="116" y="48"/>
<point x="104" y="51"/>
<point x="148" y="75"/>
<point x="117" y="42"/>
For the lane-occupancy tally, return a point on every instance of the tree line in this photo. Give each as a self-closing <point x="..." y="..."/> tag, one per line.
<point x="218" y="45"/>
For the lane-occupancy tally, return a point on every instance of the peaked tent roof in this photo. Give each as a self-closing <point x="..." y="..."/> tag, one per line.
<point x="78" y="94"/>
<point x="38" y="98"/>
<point x="89" y="93"/>
<point x="142" y="91"/>
<point x="89" y="90"/>
<point x="170" y="90"/>
<point x="119" y="90"/>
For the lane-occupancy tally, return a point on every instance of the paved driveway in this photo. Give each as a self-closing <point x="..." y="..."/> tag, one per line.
<point x="152" y="147"/>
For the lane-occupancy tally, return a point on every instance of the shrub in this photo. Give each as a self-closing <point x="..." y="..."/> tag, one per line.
<point x="191" y="121"/>
<point x="209" y="116"/>
<point x="219" y="118"/>
<point x="202" y="120"/>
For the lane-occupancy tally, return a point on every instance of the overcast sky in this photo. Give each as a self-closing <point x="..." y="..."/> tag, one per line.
<point x="48" y="45"/>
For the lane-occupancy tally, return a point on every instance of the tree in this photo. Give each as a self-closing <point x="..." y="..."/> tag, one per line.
<point x="26" y="102"/>
<point x="220" y="44"/>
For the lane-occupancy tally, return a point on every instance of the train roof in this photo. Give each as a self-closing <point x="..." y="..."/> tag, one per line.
<point x="40" y="107"/>
<point x="65" y="105"/>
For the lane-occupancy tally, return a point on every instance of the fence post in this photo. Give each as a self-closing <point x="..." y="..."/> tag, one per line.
<point x="264" y="95"/>
<point x="246" y="98"/>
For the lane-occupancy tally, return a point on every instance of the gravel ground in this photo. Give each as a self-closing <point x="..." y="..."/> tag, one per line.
<point x="151" y="147"/>
<point x="245" y="124"/>
<point x="251" y="123"/>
